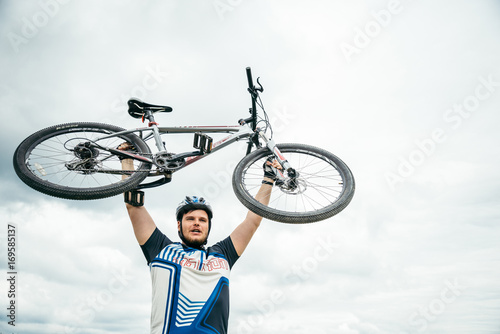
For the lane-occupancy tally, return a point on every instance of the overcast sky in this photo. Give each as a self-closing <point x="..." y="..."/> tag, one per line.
<point x="407" y="93"/>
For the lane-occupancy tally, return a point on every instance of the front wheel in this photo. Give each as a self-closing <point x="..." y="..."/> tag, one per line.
<point x="61" y="161"/>
<point x="323" y="188"/>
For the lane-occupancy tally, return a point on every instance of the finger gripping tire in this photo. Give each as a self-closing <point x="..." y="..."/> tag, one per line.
<point x="326" y="185"/>
<point x="40" y="161"/>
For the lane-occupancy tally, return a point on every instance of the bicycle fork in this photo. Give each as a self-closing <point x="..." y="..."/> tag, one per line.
<point x="292" y="174"/>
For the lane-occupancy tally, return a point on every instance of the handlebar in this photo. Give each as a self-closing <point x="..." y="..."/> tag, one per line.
<point x="253" y="119"/>
<point x="253" y="93"/>
<point x="249" y="77"/>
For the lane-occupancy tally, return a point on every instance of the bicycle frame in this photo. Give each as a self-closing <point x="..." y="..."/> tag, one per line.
<point x="237" y="132"/>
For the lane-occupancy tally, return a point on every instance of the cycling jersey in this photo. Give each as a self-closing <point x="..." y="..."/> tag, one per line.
<point x="190" y="286"/>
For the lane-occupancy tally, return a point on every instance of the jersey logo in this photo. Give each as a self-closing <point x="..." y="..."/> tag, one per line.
<point x="210" y="264"/>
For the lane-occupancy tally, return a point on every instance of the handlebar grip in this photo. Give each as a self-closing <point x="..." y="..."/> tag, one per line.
<point x="249" y="77"/>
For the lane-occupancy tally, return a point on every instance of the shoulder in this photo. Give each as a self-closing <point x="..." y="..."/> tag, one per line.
<point x="153" y="246"/>
<point x="221" y="245"/>
<point x="226" y="249"/>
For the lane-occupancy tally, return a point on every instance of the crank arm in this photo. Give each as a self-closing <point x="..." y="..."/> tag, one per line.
<point x="186" y="155"/>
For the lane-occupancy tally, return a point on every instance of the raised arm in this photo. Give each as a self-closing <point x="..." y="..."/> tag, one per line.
<point x="242" y="235"/>
<point x="142" y="223"/>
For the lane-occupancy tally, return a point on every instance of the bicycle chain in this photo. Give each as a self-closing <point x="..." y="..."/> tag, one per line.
<point x="121" y="171"/>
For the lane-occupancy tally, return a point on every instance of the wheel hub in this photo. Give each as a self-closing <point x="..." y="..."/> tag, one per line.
<point x="86" y="161"/>
<point x="85" y="151"/>
<point x="293" y="186"/>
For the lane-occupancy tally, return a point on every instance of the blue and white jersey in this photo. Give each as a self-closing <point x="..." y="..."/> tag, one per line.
<point x="190" y="286"/>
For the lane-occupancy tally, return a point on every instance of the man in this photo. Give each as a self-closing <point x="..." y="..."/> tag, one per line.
<point x="190" y="282"/>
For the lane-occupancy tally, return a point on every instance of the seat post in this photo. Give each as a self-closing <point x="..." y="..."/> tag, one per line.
<point x="149" y="116"/>
<point x="156" y="133"/>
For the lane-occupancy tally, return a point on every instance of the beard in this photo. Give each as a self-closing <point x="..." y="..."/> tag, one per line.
<point x="195" y="242"/>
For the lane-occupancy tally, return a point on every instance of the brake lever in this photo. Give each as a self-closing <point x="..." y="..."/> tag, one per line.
<point x="260" y="89"/>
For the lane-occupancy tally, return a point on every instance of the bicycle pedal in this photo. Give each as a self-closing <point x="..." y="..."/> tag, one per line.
<point x="202" y="142"/>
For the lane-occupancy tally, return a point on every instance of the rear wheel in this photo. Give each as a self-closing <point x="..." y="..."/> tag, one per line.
<point x="59" y="161"/>
<point x="323" y="188"/>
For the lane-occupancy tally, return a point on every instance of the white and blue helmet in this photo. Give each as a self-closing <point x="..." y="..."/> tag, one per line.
<point x="193" y="203"/>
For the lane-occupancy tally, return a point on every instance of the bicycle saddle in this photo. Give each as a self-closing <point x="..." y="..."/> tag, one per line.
<point x="136" y="108"/>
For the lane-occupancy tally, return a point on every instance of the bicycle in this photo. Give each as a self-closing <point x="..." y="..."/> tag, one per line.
<point x="81" y="161"/>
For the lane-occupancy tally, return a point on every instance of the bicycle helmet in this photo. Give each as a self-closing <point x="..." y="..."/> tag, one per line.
<point x="191" y="203"/>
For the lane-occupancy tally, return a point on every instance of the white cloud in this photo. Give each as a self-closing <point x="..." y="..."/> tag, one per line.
<point x="396" y="248"/>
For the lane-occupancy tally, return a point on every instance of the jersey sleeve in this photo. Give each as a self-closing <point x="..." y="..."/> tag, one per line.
<point x="226" y="248"/>
<point x="156" y="242"/>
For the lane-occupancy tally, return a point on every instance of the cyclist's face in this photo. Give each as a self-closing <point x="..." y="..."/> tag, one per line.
<point x="195" y="227"/>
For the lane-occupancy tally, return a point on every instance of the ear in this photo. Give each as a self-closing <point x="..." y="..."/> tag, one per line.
<point x="178" y="225"/>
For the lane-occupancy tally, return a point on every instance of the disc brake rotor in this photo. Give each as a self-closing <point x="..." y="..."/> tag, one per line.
<point x="293" y="186"/>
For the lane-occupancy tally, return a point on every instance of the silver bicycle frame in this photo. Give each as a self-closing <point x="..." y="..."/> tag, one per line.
<point x="237" y="132"/>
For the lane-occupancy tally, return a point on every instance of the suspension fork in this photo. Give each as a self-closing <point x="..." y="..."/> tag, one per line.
<point x="271" y="145"/>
